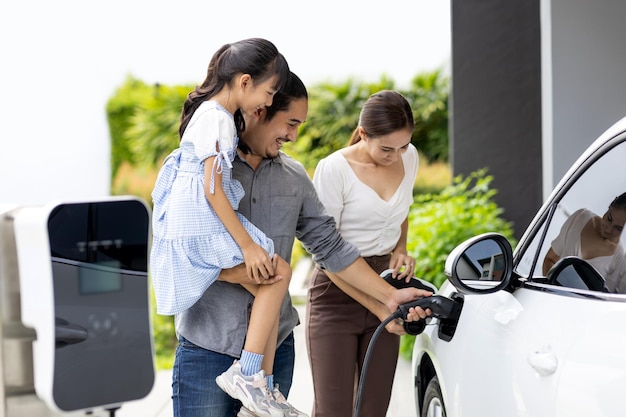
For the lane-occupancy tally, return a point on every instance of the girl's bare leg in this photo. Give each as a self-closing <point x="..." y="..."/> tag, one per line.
<point x="270" y="351"/>
<point x="262" y="332"/>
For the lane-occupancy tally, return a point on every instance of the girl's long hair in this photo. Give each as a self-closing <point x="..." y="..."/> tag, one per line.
<point x="255" y="56"/>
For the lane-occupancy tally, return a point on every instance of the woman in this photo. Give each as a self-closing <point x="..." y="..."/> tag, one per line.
<point x="595" y="239"/>
<point x="368" y="188"/>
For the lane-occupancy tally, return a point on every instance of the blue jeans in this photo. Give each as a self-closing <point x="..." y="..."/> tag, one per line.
<point x="194" y="391"/>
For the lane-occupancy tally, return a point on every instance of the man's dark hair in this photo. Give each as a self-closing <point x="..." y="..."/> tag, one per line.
<point x="293" y="89"/>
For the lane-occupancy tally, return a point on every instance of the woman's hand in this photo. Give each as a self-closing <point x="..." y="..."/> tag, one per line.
<point x="403" y="265"/>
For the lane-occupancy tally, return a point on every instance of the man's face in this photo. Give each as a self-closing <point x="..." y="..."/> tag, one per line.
<point x="266" y="138"/>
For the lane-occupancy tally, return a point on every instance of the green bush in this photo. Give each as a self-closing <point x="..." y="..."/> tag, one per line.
<point x="334" y="110"/>
<point x="164" y="337"/>
<point x="440" y="222"/>
<point x="120" y="109"/>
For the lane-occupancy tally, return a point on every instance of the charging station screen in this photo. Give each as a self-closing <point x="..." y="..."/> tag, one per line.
<point x="103" y="352"/>
<point x="98" y="279"/>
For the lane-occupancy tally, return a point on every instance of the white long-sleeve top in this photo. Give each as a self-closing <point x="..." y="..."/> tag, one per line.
<point x="568" y="243"/>
<point x="363" y="217"/>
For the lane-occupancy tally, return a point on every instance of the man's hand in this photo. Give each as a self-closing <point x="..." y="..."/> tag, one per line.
<point x="406" y="295"/>
<point x="396" y="326"/>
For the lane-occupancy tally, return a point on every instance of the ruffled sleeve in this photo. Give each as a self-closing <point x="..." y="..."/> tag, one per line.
<point x="222" y="157"/>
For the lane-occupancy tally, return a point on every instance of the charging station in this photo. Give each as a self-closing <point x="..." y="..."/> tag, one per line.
<point x="74" y="296"/>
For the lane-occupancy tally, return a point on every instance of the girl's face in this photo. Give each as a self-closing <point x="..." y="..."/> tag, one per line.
<point x="387" y="149"/>
<point x="613" y="223"/>
<point x="257" y="95"/>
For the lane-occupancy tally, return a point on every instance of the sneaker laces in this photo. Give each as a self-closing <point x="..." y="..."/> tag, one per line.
<point x="278" y="396"/>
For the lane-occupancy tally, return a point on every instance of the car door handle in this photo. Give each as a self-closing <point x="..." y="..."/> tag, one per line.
<point x="543" y="361"/>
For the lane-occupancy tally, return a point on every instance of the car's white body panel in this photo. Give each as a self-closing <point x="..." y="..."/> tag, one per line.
<point x="580" y="338"/>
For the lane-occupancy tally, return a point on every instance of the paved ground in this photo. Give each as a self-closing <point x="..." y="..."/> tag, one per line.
<point x="159" y="404"/>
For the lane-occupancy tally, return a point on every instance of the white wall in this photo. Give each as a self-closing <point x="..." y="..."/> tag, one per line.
<point x="62" y="60"/>
<point x="588" y="76"/>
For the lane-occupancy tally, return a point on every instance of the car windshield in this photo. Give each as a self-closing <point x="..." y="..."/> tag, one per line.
<point x="586" y="223"/>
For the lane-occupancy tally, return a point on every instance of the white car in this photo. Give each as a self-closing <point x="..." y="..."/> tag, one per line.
<point x="521" y="342"/>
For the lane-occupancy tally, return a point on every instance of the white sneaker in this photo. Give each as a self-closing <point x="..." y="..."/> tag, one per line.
<point x="251" y="390"/>
<point x="244" y="412"/>
<point x="288" y="409"/>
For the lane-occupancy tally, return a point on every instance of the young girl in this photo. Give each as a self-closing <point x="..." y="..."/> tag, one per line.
<point x="196" y="230"/>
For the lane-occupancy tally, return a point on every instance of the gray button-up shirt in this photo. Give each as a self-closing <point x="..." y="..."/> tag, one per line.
<point x="280" y="199"/>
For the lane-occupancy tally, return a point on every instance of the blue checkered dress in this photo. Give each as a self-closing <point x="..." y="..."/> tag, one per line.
<point x="190" y="244"/>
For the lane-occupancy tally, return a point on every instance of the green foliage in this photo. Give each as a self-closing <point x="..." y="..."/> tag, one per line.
<point x="334" y="114"/>
<point x="428" y="96"/>
<point x="440" y="222"/>
<point x="120" y="108"/>
<point x="143" y="119"/>
<point x="143" y="122"/>
<point x="153" y="133"/>
<point x="164" y="338"/>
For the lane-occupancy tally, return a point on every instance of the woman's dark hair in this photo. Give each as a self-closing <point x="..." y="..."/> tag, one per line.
<point x="619" y="202"/>
<point x="293" y="89"/>
<point x="383" y="113"/>
<point x="255" y="56"/>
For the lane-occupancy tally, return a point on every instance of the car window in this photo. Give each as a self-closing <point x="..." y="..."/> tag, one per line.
<point x="584" y="203"/>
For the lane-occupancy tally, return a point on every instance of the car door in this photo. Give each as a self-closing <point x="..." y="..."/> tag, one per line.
<point x="548" y="346"/>
<point x="578" y="328"/>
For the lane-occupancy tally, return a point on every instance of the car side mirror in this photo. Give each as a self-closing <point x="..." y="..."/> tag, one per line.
<point x="574" y="272"/>
<point x="481" y="265"/>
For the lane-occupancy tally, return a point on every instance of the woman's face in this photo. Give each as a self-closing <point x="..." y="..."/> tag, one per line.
<point x="613" y="223"/>
<point x="387" y="149"/>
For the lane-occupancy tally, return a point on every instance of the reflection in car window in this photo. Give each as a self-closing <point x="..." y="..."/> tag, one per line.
<point x="597" y="240"/>
<point x="587" y="199"/>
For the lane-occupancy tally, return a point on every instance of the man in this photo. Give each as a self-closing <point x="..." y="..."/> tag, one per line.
<point x="280" y="200"/>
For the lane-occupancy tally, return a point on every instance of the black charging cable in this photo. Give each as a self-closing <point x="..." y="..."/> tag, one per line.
<point x="366" y="361"/>
<point x="440" y="306"/>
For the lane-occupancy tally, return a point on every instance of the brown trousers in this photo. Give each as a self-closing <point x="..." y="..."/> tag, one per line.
<point x="338" y="332"/>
